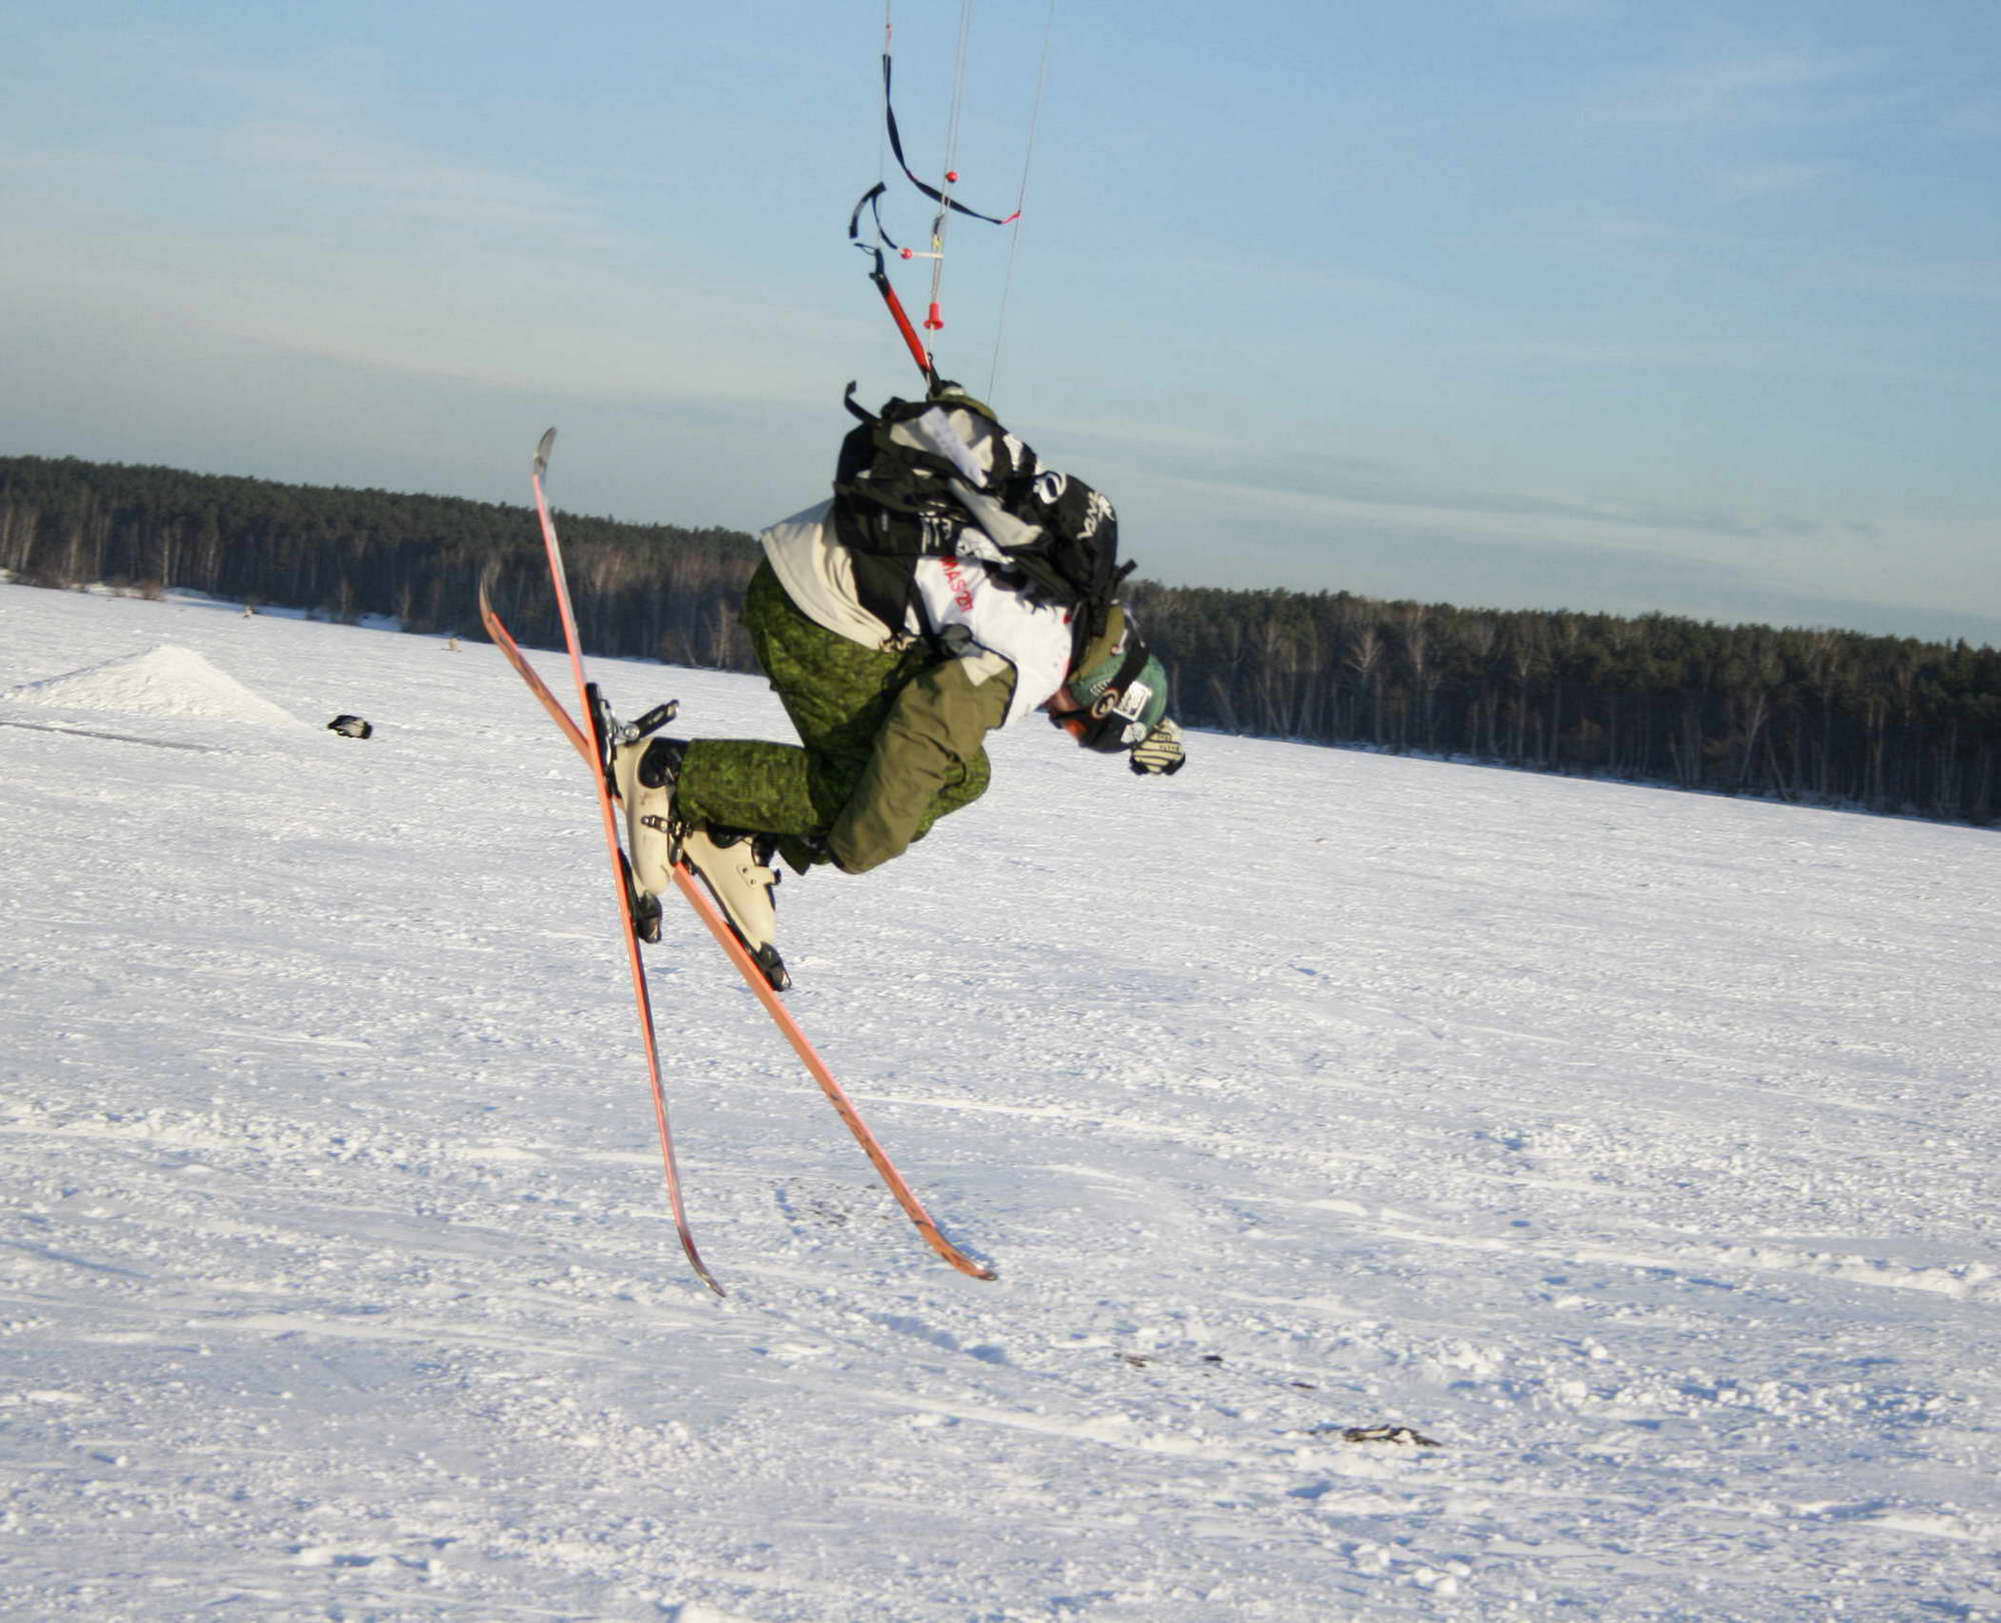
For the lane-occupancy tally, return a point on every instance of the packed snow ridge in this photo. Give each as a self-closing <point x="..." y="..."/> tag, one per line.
<point x="164" y="681"/>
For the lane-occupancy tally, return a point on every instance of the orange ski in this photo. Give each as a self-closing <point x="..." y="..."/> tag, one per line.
<point x="685" y="881"/>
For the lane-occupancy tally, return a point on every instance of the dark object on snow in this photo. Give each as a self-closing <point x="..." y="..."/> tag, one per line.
<point x="350" y="727"/>
<point x="1388" y="1434"/>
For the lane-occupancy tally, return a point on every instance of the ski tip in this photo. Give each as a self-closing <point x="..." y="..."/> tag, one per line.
<point x="542" y="449"/>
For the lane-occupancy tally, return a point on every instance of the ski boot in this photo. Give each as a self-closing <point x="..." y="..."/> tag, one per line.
<point x="645" y="907"/>
<point x="639" y="771"/>
<point x="736" y="868"/>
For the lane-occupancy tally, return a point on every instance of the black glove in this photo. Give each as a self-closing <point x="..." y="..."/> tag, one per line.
<point x="1159" y="751"/>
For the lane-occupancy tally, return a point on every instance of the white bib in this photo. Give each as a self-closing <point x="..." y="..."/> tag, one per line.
<point x="1032" y="637"/>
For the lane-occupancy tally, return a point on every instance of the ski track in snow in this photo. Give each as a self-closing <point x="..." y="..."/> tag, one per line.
<point x="1637" y="1147"/>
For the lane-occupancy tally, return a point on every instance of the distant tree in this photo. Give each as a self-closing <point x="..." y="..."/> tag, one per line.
<point x="1821" y="716"/>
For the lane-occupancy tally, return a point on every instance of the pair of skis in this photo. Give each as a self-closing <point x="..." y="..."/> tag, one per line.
<point x="592" y="743"/>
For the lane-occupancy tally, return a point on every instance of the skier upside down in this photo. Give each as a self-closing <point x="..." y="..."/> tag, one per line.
<point x="892" y="668"/>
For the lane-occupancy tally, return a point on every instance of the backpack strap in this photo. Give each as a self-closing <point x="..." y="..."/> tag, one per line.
<point x="885" y="586"/>
<point x="882" y="478"/>
<point x="856" y="409"/>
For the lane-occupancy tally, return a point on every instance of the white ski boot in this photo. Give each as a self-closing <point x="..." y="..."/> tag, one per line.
<point x="643" y="774"/>
<point x="736" y="867"/>
<point x="639" y="773"/>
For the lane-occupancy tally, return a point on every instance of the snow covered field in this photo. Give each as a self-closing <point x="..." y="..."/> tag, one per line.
<point x="1637" y="1147"/>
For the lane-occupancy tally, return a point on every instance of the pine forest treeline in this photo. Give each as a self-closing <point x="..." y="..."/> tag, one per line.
<point x="1823" y="717"/>
<point x="645" y="590"/>
<point x="1818" y="716"/>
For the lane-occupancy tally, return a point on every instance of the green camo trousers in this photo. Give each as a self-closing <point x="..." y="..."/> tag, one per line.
<point x="837" y="694"/>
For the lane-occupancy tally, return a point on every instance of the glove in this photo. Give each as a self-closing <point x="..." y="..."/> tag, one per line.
<point x="1159" y="751"/>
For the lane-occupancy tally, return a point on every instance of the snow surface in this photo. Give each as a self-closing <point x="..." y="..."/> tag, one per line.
<point x="1638" y="1147"/>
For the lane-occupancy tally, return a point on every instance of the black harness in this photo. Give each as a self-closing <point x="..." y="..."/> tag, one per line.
<point x="894" y="504"/>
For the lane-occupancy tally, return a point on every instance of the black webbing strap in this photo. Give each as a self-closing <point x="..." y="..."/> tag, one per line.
<point x="885" y="586"/>
<point x="856" y="410"/>
<point x="872" y="201"/>
<point x="896" y="146"/>
<point x="1130" y="667"/>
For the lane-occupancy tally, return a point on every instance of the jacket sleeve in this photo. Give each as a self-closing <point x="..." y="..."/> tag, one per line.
<point x="929" y="745"/>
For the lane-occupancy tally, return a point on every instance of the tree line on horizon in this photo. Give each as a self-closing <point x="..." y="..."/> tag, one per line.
<point x="1817" y="716"/>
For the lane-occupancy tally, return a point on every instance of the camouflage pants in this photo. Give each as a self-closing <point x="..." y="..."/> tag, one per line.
<point x="837" y="694"/>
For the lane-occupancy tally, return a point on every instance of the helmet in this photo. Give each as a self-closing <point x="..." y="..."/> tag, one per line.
<point x="1119" y="688"/>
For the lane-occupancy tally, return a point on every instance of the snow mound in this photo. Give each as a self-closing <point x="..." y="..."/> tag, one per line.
<point x="164" y="681"/>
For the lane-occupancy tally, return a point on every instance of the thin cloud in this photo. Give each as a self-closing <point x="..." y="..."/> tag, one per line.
<point x="1761" y="180"/>
<point x="1904" y="277"/>
<point x="251" y="128"/>
<point x="1307" y="486"/>
<point x="1565" y="11"/>
<point x="1980" y="120"/>
<point x="1772" y="87"/>
<point x="400" y="179"/>
<point x="1528" y="552"/>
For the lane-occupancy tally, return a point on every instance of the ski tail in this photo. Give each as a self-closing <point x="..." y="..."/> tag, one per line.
<point x="837" y="1096"/>
<point x="632" y="919"/>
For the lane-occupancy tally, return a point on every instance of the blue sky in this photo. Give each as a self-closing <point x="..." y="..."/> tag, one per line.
<point x="1533" y="303"/>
